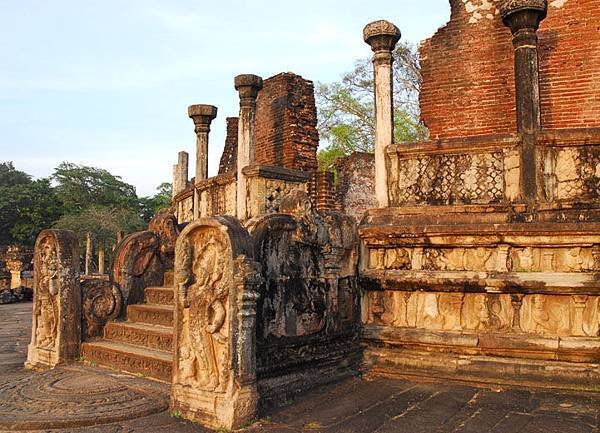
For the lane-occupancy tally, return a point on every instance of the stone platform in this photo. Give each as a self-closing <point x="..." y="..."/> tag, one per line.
<point x="79" y="398"/>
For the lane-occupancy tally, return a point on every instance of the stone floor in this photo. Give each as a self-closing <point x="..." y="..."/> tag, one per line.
<point x="78" y="399"/>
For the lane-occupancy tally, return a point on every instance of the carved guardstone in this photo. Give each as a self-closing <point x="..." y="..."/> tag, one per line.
<point x="216" y="287"/>
<point x="56" y="329"/>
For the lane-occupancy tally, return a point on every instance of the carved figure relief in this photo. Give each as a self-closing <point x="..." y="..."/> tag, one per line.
<point x="56" y="324"/>
<point x="205" y="345"/>
<point x="398" y="258"/>
<point x="546" y="315"/>
<point x="47" y="308"/>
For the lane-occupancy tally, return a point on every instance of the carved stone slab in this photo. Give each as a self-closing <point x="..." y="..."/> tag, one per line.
<point x="214" y="370"/>
<point x="56" y="330"/>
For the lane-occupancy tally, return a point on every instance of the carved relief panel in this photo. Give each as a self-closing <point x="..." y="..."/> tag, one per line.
<point x="502" y="258"/>
<point x="56" y="327"/>
<point x="214" y="379"/>
<point x="543" y="315"/>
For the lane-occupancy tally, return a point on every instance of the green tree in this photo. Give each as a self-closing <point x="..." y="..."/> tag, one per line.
<point x="103" y="223"/>
<point x="79" y="187"/>
<point x="161" y="200"/>
<point x="27" y="206"/>
<point x="346" y="108"/>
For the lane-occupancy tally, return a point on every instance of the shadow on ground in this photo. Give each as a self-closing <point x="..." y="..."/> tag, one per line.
<point x="82" y="398"/>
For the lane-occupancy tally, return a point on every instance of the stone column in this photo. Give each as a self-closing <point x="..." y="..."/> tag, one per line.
<point x="523" y="17"/>
<point x="202" y="115"/>
<point x="248" y="87"/>
<point x="382" y="36"/>
<point x="101" y="261"/>
<point x="88" y="253"/>
<point x="180" y="173"/>
<point x="15" y="266"/>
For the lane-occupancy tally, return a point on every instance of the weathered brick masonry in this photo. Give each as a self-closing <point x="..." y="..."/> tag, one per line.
<point x="229" y="155"/>
<point x="286" y="123"/>
<point x="468" y="79"/>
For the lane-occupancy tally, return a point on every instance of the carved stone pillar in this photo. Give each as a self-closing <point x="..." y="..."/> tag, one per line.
<point x="248" y="87"/>
<point x="15" y="266"/>
<point x="202" y="115"/>
<point x="101" y="261"/>
<point x="56" y="327"/>
<point x="180" y="173"/>
<point x="523" y="17"/>
<point x="88" y="253"/>
<point x="382" y="36"/>
<point x="216" y="288"/>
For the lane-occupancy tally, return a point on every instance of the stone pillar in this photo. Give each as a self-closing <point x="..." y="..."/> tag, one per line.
<point x="88" y="253"/>
<point x="180" y="173"/>
<point x="523" y="17"/>
<point x="248" y="87"/>
<point x="56" y="325"/>
<point x="15" y="266"/>
<point x="202" y="115"/>
<point x="382" y="36"/>
<point x="101" y="261"/>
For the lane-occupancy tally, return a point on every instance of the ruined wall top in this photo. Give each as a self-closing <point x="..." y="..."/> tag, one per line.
<point x="286" y="123"/>
<point x="467" y="66"/>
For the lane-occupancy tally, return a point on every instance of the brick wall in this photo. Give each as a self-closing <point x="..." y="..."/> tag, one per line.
<point x="570" y="64"/>
<point x="286" y="119"/>
<point x="322" y="191"/>
<point x="468" y="78"/>
<point x="228" y="161"/>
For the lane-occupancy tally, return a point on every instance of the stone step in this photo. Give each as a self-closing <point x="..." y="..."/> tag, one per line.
<point x="140" y="334"/>
<point x="126" y="357"/>
<point x="159" y="295"/>
<point x="168" y="279"/>
<point x="150" y="314"/>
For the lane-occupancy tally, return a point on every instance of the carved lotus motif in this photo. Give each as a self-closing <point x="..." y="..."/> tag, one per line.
<point x="378" y="28"/>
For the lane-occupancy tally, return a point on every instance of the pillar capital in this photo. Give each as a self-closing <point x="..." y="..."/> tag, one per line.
<point x="523" y="17"/>
<point x="382" y="36"/>
<point x="202" y="115"/>
<point x="248" y="86"/>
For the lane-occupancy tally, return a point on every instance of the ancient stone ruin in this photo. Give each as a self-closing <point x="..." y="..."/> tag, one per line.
<point x="473" y="256"/>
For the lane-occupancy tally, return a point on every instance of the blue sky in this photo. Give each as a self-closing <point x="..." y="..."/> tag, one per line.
<point x="107" y="83"/>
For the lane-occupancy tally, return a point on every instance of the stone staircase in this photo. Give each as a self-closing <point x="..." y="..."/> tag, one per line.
<point x="144" y="343"/>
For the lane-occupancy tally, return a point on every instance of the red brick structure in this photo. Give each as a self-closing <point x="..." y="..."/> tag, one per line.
<point x="322" y="190"/>
<point x="468" y="77"/>
<point x="286" y="123"/>
<point x="229" y="155"/>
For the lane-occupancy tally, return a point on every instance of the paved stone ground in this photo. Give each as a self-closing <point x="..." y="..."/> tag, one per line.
<point x="84" y="399"/>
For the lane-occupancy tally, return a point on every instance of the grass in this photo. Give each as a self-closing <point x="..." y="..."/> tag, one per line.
<point x="176" y="414"/>
<point x="313" y="425"/>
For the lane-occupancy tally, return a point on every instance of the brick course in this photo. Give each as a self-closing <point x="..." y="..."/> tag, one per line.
<point x="286" y="123"/>
<point x="228" y="163"/>
<point x="468" y="78"/>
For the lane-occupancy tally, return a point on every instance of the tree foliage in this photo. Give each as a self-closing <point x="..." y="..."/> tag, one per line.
<point x="102" y="222"/>
<point x="26" y="206"/>
<point x="346" y="107"/>
<point x="78" y="198"/>
<point x="80" y="187"/>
